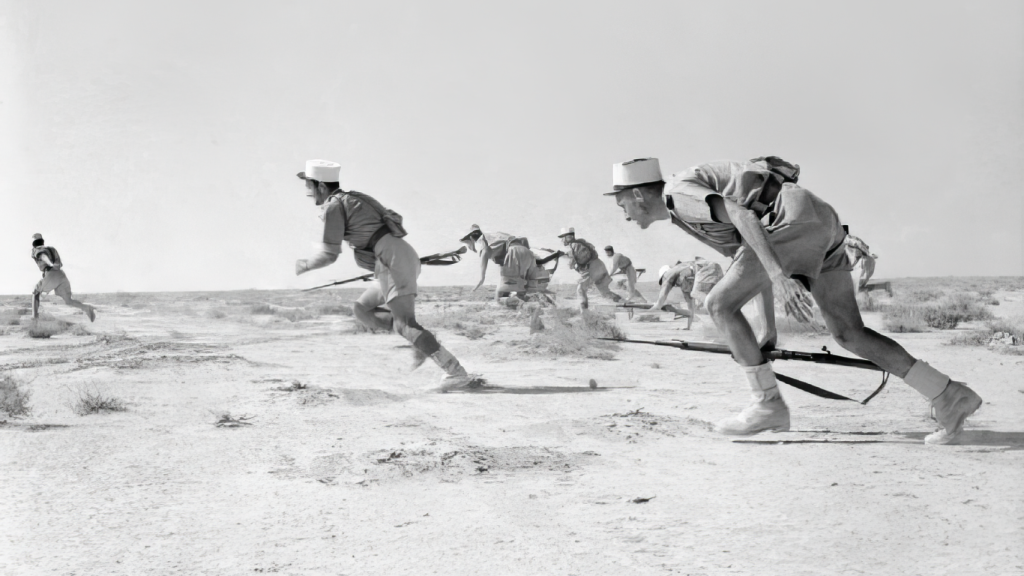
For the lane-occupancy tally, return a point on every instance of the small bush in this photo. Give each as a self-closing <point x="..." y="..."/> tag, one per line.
<point x="334" y="310"/>
<point x="296" y="315"/>
<point x="13" y="397"/>
<point x="647" y="318"/>
<point x="993" y="331"/>
<point x="567" y="332"/>
<point x="95" y="402"/>
<point x="45" y="328"/>
<point x="261" y="309"/>
<point x="215" y="314"/>
<point x="79" y="330"/>
<point x="903" y="318"/>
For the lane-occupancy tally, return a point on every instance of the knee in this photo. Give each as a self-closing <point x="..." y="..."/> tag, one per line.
<point x="361" y="311"/>
<point x="717" y="305"/>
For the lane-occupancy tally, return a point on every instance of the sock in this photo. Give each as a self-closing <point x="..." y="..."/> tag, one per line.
<point x="926" y="380"/>
<point x="763" y="385"/>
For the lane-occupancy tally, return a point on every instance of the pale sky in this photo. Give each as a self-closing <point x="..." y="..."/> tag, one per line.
<point x="155" y="143"/>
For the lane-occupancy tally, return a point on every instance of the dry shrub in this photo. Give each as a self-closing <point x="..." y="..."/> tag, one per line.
<point x="261" y="309"/>
<point x="992" y="333"/>
<point x="95" y="402"/>
<point x="945" y="314"/>
<point x="334" y="310"/>
<point x="13" y="396"/>
<point x="647" y="318"/>
<point x="568" y="332"/>
<point x="867" y="303"/>
<point x="216" y="314"/>
<point x="44" y="328"/>
<point x="296" y="315"/>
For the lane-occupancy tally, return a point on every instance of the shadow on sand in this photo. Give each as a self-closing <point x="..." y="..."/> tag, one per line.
<point x="489" y="389"/>
<point x="1004" y="441"/>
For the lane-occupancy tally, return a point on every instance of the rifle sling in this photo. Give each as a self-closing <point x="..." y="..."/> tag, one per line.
<point x="821" y="392"/>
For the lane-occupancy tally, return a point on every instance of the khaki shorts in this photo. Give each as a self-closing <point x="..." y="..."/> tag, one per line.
<point x="806" y="235"/>
<point x="54" y="281"/>
<point x="397" y="268"/>
<point x="515" y="271"/>
<point x="595" y="274"/>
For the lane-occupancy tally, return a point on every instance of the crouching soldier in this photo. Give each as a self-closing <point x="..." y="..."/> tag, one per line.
<point x="583" y="259"/>
<point x="520" y="273"/>
<point x="375" y="235"/>
<point x="681" y="275"/>
<point x="54" y="279"/>
<point x="620" y="264"/>
<point x="777" y="233"/>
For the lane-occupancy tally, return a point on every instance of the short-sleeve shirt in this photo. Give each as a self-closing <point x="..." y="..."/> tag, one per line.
<point x="361" y="224"/>
<point x="750" y="184"/>
<point x="681" y="275"/>
<point x="619" y="262"/>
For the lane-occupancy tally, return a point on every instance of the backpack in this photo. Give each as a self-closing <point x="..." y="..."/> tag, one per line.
<point x="588" y="255"/>
<point x="392" y="219"/>
<point x="500" y="248"/>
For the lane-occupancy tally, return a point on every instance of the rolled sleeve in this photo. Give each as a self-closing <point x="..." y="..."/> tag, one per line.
<point x="333" y="217"/>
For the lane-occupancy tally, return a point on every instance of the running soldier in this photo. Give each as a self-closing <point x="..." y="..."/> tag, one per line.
<point x="375" y="235"/>
<point x="520" y="272"/>
<point x="723" y="204"/>
<point x="54" y="279"/>
<point x="583" y="259"/>
<point x="620" y="264"/>
<point x="859" y="252"/>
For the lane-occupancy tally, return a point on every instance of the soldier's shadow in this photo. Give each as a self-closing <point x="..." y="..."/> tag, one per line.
<point x="993" y="438"/>
<point x="490" y="389"/>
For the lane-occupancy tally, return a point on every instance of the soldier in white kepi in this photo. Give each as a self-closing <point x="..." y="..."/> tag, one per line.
<point x="48" y="260"/>
<point x="375" y="235"/>
<point x="620" y="264"/>
<point x="724" y="205"/>
<point x="520" y="273"/>
<point x="583" y="258"/>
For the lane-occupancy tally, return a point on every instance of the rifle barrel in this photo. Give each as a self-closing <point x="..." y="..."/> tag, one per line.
<point x="716" y="348"/>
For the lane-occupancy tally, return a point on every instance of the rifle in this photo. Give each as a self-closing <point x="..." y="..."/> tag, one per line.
<point x="824" y="357"/>
<point x="555" y="255"/>
<point x="630" y="307"/>
<point x="439" y="259"/>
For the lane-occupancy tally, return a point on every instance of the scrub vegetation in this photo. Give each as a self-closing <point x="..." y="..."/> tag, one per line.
<point x="1004" y="335"/>
<point x="96" y="402"/>
<point x="13" y="397"/>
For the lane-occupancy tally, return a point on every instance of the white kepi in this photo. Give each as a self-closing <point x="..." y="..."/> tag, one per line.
<point x="567" y="231"/>
<point x="322" y="170"/>
<point x="661" y="273"/>
<point x="634" y="173"/>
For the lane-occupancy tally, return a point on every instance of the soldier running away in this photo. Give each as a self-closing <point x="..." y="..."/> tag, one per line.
<point x="583" y="259"/>
<point x="723" y="204"/>
<point x="49" y="262"/>
<point x="374" y="233"/>
<point x="620" y="264"/>
<point x="521" y="275"/>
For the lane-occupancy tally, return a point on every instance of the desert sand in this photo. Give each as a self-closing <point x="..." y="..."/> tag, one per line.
<point x="344" y="465"/>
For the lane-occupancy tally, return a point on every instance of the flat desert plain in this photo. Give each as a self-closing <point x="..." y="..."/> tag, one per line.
<point x="330" y="458"/>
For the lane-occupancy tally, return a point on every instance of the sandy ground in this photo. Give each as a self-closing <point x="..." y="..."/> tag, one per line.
<point x="361" y="472"/>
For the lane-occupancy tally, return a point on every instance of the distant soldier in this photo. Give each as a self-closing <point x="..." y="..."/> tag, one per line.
<point x="859" y="252"/>
<point x="375" y="235"/>
<point x="48" y="260"/>
<point x="778" y="234"/>
<point x="681" y="275"/>
<point x="707" y="275"/>
<point x="520" y="272"/>
<point x="619" y="263"/>
<point x="583" y="259"/>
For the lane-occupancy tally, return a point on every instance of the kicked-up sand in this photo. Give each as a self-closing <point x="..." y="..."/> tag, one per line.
<point x="331" y="459"/>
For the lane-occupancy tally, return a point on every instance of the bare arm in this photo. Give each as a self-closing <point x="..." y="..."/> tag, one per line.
<point x="666" y="287"/>
<point x="485" y="255"/>
<point x="330" y="246"/>
<point x="325" y="257"/>
<point x="754" y="235"/>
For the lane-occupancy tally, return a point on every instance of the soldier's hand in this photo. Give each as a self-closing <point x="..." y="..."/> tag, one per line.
<point x="300" y="267"/>
<point x="797" y="304"/>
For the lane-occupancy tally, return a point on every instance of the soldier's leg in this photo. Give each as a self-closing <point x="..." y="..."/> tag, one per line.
<point x="64" y="291"/>
<point x="765" y="305"/>
<point x="689" y="306"/>
<point x="581" y="292"/>
<point x="746" y="279"/>
<point x="631" y="285"/>
<point x="952" y="401"/>
<point x="369" y="311"/>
